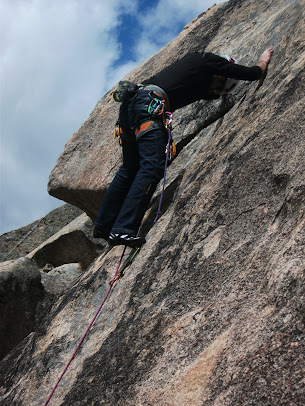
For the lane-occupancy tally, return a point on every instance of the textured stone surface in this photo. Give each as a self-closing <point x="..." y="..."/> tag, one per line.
<point x="211" y="312"/>
<point x="69" y="245"/>
<point x="18" y="243"/>
<point x="20" y="293"/>
<point x="57" y="280"/>
<point x="91" y="157"/>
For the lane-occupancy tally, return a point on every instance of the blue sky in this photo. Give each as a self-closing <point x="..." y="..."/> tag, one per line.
<point x="57" y="59"/>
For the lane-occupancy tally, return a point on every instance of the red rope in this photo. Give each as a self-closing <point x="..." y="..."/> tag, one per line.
<point x="89" y="327"/>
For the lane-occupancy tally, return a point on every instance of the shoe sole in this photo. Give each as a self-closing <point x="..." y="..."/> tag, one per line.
<point x="131" y="244"/>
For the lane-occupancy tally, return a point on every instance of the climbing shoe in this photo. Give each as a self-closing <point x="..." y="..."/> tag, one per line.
<point x="100" y="234"/>
<point x="125" y="239"/>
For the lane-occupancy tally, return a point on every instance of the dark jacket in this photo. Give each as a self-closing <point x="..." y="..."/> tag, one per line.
<point x="189" y="78"/>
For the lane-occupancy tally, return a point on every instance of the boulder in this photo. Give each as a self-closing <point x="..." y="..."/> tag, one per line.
<point x="20" y="292"/>
<point x="59" y="279"/>
<point x="69" y="245"/>
<point x="18" y="243"/>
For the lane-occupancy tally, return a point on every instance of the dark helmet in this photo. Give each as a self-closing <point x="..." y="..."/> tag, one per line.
<point x="125" y="90"/>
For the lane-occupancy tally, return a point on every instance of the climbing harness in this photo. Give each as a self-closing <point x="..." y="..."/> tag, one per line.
<point x="112" y="282"/>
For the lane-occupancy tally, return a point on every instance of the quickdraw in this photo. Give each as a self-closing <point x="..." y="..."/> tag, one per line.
<point x="134" y="252"/>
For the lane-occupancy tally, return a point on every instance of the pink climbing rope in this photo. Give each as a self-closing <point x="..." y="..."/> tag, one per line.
<point x="165" y="169"/>
<point x="115" y="277"/>
<point x="89" y="327"/>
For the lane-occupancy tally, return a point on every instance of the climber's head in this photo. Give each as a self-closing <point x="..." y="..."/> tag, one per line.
<point x="124" y="90"/>
<point x="222" y="85"/>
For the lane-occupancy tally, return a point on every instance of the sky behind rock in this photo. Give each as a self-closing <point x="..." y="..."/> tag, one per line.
<point x="57" y="59"/>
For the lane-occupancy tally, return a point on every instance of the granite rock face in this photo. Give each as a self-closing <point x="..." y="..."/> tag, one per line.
<point x="18" y="243"/>
<point x="58" y="261"/>
<point x="69" y="245"/>
<point x="58" y="279"/>
<point x="211" y="311"/>
<point x="20" y="292"/>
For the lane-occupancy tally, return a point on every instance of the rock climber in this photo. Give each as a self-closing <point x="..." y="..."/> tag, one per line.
<point x="144" y="137"/>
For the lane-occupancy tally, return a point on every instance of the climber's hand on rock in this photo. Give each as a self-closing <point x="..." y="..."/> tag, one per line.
<point x="264" y="59"/>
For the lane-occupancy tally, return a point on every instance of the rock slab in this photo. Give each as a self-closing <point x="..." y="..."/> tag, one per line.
<point x="211" y="312"/>
<point x="20" y="293"/>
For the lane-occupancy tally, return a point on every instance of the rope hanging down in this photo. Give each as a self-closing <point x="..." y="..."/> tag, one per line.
<point x="117" y="275"/>
<point x="168" y="126"/>
<point x="89" y="327"/>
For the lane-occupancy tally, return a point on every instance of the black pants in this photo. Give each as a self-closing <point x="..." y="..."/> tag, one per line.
<point x="130" y="192"/>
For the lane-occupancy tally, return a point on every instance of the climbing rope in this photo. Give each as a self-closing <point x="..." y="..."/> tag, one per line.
<point x="112" y="282"/>
<point x="167" y="124"/>
<point x="167" y="120"/>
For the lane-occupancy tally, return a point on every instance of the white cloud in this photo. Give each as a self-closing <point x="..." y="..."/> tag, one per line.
<point x="160" y="24"/>
<point x="56" y="61"/>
